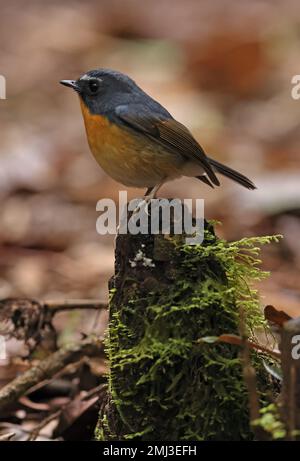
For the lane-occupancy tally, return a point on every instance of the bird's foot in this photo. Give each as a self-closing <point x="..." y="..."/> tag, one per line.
<point x="144" y="204"/>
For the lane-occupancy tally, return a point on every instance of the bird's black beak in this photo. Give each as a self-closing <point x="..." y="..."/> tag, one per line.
<point x="70" y="83"/>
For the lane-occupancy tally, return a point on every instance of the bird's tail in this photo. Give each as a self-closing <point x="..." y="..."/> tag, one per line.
<point x="232" y="174"/>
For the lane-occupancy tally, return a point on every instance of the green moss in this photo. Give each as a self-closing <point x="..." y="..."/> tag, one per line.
<point x="271" y="422"/>
<point x="164" y="384"/>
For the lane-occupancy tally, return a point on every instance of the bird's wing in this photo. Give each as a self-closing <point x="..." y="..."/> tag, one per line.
<point x="166" y="131"/>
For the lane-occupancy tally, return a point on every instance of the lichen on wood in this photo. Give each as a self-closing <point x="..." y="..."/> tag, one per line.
<point x="163" y="383"/>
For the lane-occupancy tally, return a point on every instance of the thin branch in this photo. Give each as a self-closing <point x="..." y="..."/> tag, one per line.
<point x="290" y="395"/>
<point x="98" y="391"/>
<point x="35" y="433"/>
<point x="7" y="437"/>
<point x="30" y="320"/>
<point x="234" y="339"/>
<point x="55" y="306"/>
<point x="249" y="378"/>
<point x="45" y="369"/>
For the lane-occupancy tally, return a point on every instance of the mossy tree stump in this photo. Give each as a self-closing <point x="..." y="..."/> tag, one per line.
<point x="165" y="295"/>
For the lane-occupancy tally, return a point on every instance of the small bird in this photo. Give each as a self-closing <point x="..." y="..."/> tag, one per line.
<point x="136" y="140"/>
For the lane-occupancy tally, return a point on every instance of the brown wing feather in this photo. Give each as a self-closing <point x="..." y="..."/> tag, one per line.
<point x="177" y="135"/>
<point x="168" y="132"/>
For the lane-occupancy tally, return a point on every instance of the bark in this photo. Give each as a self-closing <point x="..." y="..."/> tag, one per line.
<point x="164" y="384"/>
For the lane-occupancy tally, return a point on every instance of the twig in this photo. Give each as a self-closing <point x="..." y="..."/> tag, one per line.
<point x="239" y="341"/>
<point x="30" y="320"/>
<point x="47" y="368"/>
<point x="71" y="366"/>
<point x="249" y="377"/>
<point x="290" y="395"/>
<point x="7" y="437"/>
<point x="98" y="390"/>
<point x="35" y="433"/>
<point x="293" y="406"/>
<point x="55" y="306"/>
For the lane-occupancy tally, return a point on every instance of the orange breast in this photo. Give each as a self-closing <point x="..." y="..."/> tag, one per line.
<point x="97" y="127"/>
<point x="103" y="135"/>
<point x="128" y="158"/>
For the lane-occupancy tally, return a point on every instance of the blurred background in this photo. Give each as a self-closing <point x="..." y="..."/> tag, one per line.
<point x="223" y="68"/>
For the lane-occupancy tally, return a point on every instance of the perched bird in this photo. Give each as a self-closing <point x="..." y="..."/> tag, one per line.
<point x="136" y="140"/>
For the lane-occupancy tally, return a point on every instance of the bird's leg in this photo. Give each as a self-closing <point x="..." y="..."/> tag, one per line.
<point x="150" y="194"/>
<point x="152" y="191"/>
<point x="148" y="191"/>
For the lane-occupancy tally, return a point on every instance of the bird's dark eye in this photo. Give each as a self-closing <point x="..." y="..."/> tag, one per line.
<point x="94" y="86"/>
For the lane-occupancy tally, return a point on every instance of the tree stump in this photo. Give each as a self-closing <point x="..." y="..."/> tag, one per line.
<point x="165" y="384"/>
